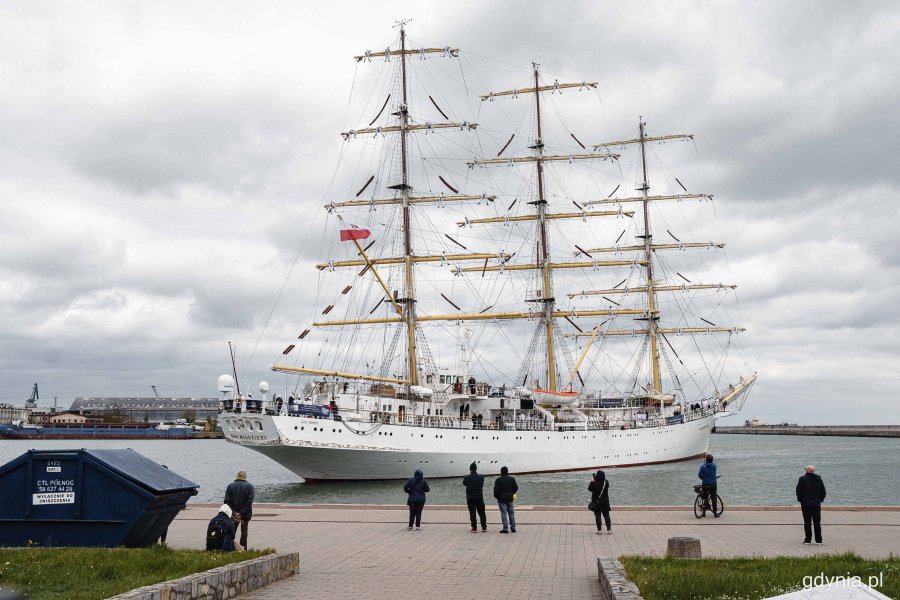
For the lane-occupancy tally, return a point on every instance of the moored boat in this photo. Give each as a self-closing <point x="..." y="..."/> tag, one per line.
<point x="87" y="431"/>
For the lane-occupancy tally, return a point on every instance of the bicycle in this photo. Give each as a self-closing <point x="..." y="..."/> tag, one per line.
<point x="702" y="502"/>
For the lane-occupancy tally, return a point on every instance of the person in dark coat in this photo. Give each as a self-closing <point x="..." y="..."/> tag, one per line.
<point x="810" y="495"/>
<point x="710" y="481"/>
<point x="599" y="489"/>
<point x="221" y="531"/>
<point x="475" y="497"/>
<point x="416" y="487"/>
<point x="239" y="496"/>
<point x="505" y="489"/>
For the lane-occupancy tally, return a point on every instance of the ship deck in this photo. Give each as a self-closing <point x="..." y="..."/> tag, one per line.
<point x="365" y="551"/>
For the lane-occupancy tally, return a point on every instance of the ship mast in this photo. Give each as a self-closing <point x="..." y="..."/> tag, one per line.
<point x="652" y="316"/>
<point x="543" y="263"/>
<point x="653" y="332"/>
<point x="409" y="299"/>
<point x="543" y="258"/>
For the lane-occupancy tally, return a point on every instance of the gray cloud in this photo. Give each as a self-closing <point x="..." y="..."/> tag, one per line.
<point x="161" y="168"/>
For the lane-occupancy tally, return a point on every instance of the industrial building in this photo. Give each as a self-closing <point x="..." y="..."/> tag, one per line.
<point x="153" y="410"/>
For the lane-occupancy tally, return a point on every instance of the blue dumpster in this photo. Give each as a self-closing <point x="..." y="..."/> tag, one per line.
<point x="88" y="498"/>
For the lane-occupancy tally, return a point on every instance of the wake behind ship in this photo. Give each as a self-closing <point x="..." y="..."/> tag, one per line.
<point x="581" y="338"/>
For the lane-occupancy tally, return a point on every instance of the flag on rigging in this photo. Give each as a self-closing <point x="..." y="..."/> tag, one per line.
<point x="353" y="232"/>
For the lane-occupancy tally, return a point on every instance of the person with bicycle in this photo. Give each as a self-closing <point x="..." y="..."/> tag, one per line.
<point x="709" y="479"/>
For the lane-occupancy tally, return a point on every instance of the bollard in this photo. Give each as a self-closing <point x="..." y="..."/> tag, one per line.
<point x="684" y="547"/>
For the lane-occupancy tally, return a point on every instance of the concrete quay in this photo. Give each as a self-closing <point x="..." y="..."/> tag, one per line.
<point x="887" y="431"/>
<point x="365" y="551"/>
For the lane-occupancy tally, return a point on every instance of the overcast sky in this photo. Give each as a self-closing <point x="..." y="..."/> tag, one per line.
<point x="157" y="161"/>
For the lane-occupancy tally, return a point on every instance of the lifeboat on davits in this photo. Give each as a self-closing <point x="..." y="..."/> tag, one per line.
<point x="555" y="398"/>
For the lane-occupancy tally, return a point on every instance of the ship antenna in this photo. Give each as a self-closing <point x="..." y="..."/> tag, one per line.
<point x="237" y="385"/>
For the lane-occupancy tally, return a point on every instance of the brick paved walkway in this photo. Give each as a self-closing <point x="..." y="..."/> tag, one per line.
<point x="358" y="552"/>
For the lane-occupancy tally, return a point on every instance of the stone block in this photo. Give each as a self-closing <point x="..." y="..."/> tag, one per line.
<point x="684" y="547"/>
<point x="614" y="582"/>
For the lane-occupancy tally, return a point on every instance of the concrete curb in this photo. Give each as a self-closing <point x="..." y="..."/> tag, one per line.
<point x="222" y="582"/>
<point x="614" y="582"/>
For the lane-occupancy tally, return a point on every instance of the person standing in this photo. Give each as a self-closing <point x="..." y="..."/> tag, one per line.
<point x="504" y="489"/>
<point x="239" y="496"/>
<point x="416" y="487"/>
<point x="810" y="495"/>
<point x="710" y="482"/>
<point x="475" y="497"/>
<point x="599" y="489"/>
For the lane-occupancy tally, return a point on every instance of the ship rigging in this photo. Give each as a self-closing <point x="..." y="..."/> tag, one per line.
<point x="422" y="244"/>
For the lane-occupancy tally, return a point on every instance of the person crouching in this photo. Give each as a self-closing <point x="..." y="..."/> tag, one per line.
<point x="221" y="531"/>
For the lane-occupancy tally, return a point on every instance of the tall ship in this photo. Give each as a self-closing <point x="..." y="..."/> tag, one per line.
<point x="501" y="294"/>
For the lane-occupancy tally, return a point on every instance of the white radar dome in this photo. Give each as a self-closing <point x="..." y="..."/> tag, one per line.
<point x="263" y="387"/>
<point x="226" y="384"/>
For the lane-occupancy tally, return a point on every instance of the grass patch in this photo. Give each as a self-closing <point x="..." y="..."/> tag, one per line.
<point x="751" y="578"/>
<point x="96" y="573"/>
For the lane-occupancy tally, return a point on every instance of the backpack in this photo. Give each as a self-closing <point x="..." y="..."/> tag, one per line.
<point x="217" y="534"/>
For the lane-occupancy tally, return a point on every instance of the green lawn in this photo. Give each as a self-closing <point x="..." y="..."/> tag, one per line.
<point x="751" y="578"/>
<point x="96" y="573"/>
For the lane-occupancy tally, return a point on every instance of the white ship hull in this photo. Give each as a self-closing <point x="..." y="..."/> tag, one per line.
<point x="324" y="449"/>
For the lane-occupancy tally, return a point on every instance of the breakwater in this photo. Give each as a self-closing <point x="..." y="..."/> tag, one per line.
<point x="888" y="431"/>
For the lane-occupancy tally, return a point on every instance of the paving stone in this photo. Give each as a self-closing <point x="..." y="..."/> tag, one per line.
<point x="353" y="552"/>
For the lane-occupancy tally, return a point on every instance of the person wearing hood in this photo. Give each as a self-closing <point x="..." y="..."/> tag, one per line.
<point x="505" y="489"/>
<point x="221" y="531"/>
<point x="416" y="487"/>
<point x="810" y="495"/>
<point x="475" y="497"/>
<point x="599" y="489"/>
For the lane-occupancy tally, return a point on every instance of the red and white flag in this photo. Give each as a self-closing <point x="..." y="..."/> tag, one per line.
<point x="352" y="232"/>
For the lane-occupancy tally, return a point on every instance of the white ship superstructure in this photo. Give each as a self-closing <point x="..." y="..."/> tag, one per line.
<point x="592" y="373"/>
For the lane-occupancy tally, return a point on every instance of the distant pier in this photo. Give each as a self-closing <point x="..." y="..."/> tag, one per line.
<point x="888" y="431"/>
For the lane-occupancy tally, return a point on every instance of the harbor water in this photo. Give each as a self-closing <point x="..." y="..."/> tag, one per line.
<point x="756" y="470"/>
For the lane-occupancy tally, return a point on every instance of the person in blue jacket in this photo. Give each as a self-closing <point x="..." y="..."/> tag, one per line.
<point x="416" y="487"/>
<point x="709" y="479"/>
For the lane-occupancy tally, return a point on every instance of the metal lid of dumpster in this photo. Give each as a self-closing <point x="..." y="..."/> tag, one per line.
<point x="142" y="471"/>
<point x="88" y="498"/>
